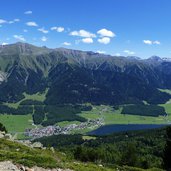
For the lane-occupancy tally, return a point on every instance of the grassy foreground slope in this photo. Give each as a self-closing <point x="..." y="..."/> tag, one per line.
<point x="27" y="156"/>
<point x="21" y="154"/>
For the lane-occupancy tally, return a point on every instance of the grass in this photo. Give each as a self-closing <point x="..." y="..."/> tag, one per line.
<point x="16" y="124"/>
<point x="167" y="105"/>
<point x="111" y="116"/>
<point x="27" y="156"/>
<point x="21" y="154"/>
<point x="66" y="123"/>
<point x="165" y="90"/>
<point x="86" y="137"/>
<point x="38" y="97"/>
<point x="83" y="131"/>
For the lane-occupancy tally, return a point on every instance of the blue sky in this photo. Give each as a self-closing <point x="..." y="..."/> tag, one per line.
<point x="118" y="27"/>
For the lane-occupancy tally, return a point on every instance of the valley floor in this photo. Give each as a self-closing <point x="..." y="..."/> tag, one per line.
<point x="17" y="124"/>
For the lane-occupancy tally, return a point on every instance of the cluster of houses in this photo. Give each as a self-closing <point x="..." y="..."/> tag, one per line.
<point x="56" y="130"/>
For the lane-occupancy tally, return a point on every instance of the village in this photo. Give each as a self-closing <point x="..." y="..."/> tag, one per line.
<point x="56" y="129"/>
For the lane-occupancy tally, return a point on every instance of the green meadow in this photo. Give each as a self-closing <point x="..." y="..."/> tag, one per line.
<point x="16" y="123"/>
<point x="112" y="116"/>
<point x="38" y="97"/>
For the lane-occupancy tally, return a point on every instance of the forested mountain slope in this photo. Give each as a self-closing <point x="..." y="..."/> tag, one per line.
<point x="77" y="77"/>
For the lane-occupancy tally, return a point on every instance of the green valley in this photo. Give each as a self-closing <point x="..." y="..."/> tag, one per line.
<point x="109" y="114"/>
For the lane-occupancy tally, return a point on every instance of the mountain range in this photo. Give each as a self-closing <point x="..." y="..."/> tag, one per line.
<point x="74" y="76"/>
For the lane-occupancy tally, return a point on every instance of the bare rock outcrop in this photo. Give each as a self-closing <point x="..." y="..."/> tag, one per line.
<point x="9" y="166"/>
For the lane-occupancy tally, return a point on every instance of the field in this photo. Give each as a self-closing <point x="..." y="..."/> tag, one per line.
<point x="167" y="106"/>
<point x="38" y="97"/>
<point x="66" y="123"/>
<point x="165" y="90"/>
<point x="111" y="116"/>
<point x="16" y="124"/>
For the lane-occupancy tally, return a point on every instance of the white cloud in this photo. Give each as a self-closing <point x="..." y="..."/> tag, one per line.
<point x="104" y="40"/>
<point x="11" y="22"/>
<point x="117" y="54"/>
<point x="156" y="42"/>
<point x="19" y="37"/>
<point x="44" y="39"/>
<point x="82" y="33"/>
<point x="28" y="12"/>
<point x="101" y="52"/>
<point x="150" y="42"/>
<point x="129" y="52"/>
<point x="67" y="44"/>
<point x="106" y="33"/>
<point x="2" y="21"/>
<point x="32" y="24"/>
<point x="58" y="29"/>
<point x="14" y="21"/>
<point x="43" y="30"/>
<point x="25" y="30"/>
<point x="87" y="40"/>
<point x="3" y="44"/>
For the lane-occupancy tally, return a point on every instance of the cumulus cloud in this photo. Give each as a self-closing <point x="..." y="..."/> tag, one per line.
<point x="2" y="21"/>
<point x="58" y="29"/>
<point x="156" y="42"/>
<point x="19" y="37"/>
<point x="3" y="44"/>
<point x="150" y="42"/>
<point x="104" y="40"/>
<point x="82" y="33"/>
<point x="87" y="40"/>
<point x="32" y="24"/>
<point x="106" y="33"/>
<point x="43" y="30"/>
<point x="100" y="51"/>
<point x="14" y="21"/>
<point x="117" y="54"/>
<point x="28" y="12"/>
<point x="44" y="39"/>
<point x="25" y="30"/>
<point x="129" y="52"/>
<point x="11" y="22"/>
<point x="67" y="44"/>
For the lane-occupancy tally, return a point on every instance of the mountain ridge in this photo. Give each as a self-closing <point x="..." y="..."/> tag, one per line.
<point x="75" y="76"/>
